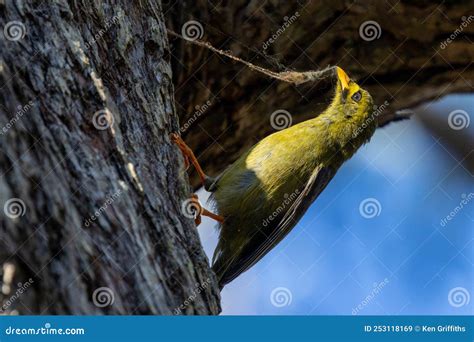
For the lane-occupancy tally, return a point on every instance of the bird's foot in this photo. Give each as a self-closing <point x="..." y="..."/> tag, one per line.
<point x="199" y="211"/>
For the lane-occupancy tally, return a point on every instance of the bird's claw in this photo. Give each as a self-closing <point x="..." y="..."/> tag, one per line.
<point x="200" y="211"/>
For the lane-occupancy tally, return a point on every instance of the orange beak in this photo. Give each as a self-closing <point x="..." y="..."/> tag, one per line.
<point x="343" y="78"/>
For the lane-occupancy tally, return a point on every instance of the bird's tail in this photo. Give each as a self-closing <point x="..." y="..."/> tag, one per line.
<point x="218" y="271"/>
<point x="223" y="268"/>
<point x="219" y="267"/>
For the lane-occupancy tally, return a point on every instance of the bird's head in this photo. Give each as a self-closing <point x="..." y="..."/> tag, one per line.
<point x="351" y="113"/>
<point x="352" y="100"/>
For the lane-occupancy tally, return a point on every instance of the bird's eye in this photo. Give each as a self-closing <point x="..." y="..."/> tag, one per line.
<point x="357" y="96"/>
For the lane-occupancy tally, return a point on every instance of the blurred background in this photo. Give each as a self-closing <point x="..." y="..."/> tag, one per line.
<point x="393" y="231"/>
<point x="377" y="240"/>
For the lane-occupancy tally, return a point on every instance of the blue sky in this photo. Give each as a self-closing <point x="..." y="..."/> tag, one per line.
<point x="401" y="261"/>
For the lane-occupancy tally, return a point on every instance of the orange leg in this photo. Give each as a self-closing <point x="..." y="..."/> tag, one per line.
<point x="188" y="155"/>
<point x="203" y="211"/>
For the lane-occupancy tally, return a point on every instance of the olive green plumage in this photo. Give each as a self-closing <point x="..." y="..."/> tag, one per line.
<point x="266" y="191"/>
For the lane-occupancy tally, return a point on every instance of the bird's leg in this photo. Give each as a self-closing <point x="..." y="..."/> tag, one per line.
<point x="188" y="154"/>
<point x="203" y="211"/>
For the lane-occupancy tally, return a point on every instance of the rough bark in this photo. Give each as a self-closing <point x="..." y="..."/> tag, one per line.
<point x="99" y="207"/>
<point x="405" y="66"/>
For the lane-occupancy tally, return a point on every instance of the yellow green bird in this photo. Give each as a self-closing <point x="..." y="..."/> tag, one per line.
<point x="264" y="193"/>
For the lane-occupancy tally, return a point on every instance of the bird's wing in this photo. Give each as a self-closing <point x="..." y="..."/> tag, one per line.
<point x="261" y="243"/>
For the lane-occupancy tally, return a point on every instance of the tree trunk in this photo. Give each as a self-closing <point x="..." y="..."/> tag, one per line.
<point x="403" y="52"/>
<point x="91" y="187"/>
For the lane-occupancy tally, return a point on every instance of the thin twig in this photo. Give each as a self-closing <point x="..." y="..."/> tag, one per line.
<point x="286" y="76"/>
<point x="294" y="77"/>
